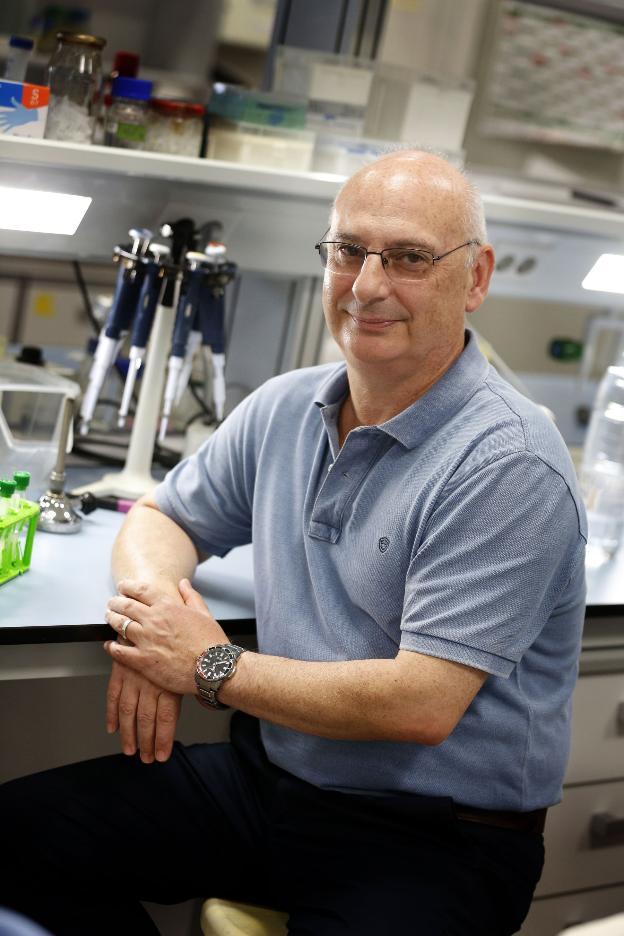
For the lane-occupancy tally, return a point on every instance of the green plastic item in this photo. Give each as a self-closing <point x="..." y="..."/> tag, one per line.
<point x="17" y="532"/>
<point x="22" y="480"/>
<point x="7" y="488"/>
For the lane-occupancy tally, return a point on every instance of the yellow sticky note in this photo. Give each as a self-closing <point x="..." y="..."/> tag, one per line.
<point x="43" y="305"/>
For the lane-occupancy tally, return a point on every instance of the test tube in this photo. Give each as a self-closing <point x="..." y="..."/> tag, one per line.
<point x="22" y="480"/>
<point x="6" y="492"/>
<point x="7" y="489"/>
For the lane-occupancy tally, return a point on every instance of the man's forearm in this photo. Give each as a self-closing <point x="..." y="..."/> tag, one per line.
<point x="409" y="698"/>
<point x="152" y="548"/>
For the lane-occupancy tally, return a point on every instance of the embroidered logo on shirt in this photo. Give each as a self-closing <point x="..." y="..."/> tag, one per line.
<point x="383" y="544"/>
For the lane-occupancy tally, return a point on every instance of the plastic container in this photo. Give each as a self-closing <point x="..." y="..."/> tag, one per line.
<point x="74" y="76"/>
<point x="20" y="48"/>
<point x="235" y="104"/>
<point x="409" y="106"/>
<point x="335" y="87"/>
<point x="31" y="409"/>
<point x="174" y="127"/>
<point x="343" y="155"/>
<point x="323" y="76"/>
<point x="126" y="121"/>
<point x="255" y="145"/>
<point x="602" y="468"/>
<point x="18" y="524"/>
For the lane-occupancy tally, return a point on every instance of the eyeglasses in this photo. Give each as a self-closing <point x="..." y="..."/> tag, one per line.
<point x="402" y="264"/>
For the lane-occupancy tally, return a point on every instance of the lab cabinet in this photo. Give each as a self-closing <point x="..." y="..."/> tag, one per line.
<point x="583" y="875"/>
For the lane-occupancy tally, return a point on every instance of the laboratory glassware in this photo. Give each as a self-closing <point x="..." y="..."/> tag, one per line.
<point x="75" y="77"/>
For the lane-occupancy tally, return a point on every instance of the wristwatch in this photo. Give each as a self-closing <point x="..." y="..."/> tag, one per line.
<point x="212" y="668"/>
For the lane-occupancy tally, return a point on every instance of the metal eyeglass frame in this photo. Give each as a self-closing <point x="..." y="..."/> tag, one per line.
<point x="384" y="261"/>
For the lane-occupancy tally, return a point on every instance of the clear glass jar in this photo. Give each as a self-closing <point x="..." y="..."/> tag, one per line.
<point x="175" y="127"/>
<point x="74" y="76"/>
<point x="126" y="121"/>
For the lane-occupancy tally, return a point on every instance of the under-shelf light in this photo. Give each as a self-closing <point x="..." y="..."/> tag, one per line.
<point x="41" y="212"/>
<point x="607" y="274"/>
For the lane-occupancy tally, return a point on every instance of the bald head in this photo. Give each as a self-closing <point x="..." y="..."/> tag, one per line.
<point x="420" y="183"/>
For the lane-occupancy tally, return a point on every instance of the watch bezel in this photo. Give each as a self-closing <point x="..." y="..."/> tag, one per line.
<point x="230" y="661"/>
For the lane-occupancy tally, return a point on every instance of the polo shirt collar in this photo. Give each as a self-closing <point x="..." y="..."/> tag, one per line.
<point x="434" y="408"/>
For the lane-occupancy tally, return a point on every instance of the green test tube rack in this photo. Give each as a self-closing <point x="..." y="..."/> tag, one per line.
<point x="17" y="532"/>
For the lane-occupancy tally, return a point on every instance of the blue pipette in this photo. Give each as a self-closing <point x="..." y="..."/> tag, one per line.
<point x="148" y="300"/>
<point x="186" y="315"/>
<point x="212" y="315"/>
<point x="128" y="287"/>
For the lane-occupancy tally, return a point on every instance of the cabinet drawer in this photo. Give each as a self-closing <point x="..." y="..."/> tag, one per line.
<point x="597" y="729"/>
<point x="580" y="853"/>
<point x="550" y="916"/>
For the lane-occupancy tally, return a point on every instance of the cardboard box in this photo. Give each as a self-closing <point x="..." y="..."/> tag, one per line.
<point x="23" y="109"/>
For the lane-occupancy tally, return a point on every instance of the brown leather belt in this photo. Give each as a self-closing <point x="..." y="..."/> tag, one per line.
<point x="506" y="819"/>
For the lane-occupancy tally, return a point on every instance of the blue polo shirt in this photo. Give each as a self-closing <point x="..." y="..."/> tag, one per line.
<point x="454" y="529"/>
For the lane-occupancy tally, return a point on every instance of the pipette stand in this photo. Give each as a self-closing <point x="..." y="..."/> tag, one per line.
<point x="135" y="479"/>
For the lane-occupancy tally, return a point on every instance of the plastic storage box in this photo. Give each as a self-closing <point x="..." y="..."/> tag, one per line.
<point x="257" y="107"/>
<point x="345" y="155"/>
<point x="336" y="87"/>
<point x="31" y="409"/>
<point x="421" y="109"/>
<point x="257" y="145"/>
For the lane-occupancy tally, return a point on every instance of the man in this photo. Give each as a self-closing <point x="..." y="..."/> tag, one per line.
<point x="419" y="571"/>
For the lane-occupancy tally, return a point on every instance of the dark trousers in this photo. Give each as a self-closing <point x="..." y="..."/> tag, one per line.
<point x="83" y="844"/>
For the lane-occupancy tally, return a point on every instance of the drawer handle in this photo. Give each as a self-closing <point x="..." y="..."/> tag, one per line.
<point x="619" y="718"/>
<point x="605" y="830"/>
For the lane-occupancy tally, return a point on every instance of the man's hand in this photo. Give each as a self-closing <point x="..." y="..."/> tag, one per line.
<point x="165" y="638"/>
<point x="145" y="714"/>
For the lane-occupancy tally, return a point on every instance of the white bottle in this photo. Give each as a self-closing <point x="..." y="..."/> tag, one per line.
<point x="19" y="51"/>
<point x="602" y="469"/>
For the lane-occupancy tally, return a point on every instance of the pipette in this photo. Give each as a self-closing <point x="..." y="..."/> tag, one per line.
<point x="213" y="344"/>
<point x="212" y="316"/>
<point x="129" y="281"/>
<point x="186" y="315"/>
<point x="148" y="299"/>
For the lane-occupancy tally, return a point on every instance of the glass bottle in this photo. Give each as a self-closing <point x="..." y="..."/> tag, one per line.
<point x="126" y="121"/>
<point x="74" y="76"/>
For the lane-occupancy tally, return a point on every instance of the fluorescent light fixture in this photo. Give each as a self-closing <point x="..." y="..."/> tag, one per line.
<point x="607" y="274"/>
<point x="41" y="212"/>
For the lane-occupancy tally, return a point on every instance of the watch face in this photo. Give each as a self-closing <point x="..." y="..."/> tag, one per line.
<point x="215" y="663"/>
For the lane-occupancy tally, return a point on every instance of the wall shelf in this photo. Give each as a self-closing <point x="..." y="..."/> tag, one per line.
<point x="271" y="217"/>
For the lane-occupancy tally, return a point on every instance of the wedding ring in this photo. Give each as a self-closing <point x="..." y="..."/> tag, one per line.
<point x="124" y="627"/>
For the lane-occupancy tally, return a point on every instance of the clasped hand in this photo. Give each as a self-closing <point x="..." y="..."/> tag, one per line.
<point x="164" y="637"/>
<point x="137" y="705"/>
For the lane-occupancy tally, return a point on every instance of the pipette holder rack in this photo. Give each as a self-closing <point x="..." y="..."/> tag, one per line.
<point x="17" y="532"/>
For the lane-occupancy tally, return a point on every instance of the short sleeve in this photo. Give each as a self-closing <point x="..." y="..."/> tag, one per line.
<point x="210" y="494"/>
<point x="497" y="553"/>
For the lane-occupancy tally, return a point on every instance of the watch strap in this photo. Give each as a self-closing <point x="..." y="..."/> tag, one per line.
<point x="207" y="696"/>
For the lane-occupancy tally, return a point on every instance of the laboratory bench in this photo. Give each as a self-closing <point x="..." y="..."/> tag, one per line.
<point x="52" y="625"/>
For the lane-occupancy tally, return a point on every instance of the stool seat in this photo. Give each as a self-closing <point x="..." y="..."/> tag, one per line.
<point x="226" y="918"/>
